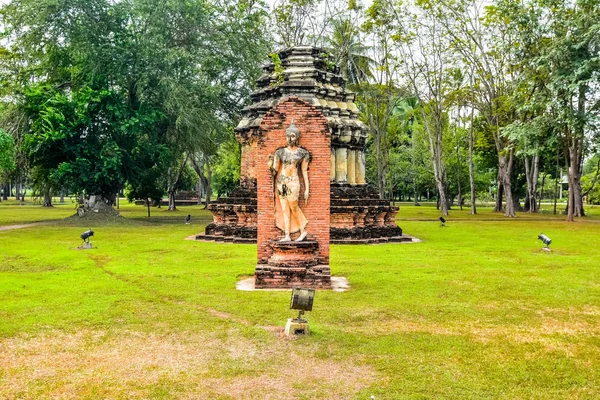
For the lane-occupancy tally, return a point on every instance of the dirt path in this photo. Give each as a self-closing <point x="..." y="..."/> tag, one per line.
<point x="11" y="227"/>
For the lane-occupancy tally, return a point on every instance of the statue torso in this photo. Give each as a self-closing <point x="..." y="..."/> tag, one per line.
<point x="292" y="157"/>
<point x="290" y="161"/>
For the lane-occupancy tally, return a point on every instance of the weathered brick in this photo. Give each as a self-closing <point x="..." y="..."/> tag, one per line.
<point x="314" y="137"/>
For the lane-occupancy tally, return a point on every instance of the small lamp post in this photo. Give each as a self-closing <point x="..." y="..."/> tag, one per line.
<point x="302" y="300"/>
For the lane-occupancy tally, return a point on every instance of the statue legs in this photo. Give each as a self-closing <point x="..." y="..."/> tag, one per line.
<point x="285" y="207"/>
<point x="296" y="212"/>
<point x="291" y="210"/>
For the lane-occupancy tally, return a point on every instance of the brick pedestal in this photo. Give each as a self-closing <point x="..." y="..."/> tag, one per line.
<point x="293" y="264"/>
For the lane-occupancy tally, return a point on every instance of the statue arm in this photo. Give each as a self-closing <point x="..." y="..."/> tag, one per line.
<point x="274" y="162"/>
<point x="304" y="167"/>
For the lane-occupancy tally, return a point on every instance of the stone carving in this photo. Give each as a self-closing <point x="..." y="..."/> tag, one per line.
<point x="284" y="167"/>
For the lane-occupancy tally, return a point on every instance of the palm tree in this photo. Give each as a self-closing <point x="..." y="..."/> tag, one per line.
<point x="349" y="53"/>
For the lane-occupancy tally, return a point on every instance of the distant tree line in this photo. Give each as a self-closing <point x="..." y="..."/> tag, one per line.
<point x="466" y="96"/>
<point x="466" y="100"/>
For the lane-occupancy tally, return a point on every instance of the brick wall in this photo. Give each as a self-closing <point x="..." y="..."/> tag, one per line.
<point x="248" y="156"/>
<point x="314" y="137"/>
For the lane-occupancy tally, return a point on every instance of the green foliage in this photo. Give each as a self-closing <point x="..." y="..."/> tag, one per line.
<point x="89" y="141"/>
<point x="590" y="181"/>
<point x="292" y="20"/>
<point x="226" y="172"/>
<point x="278" y="69"/>
<point x="348" y="53"/>
<point x="150" y="183"/>
<point x="188" y="179"/>
<point x="329" y="60"/>
<point x="113" y="89"/>
<point x="7" y="153"/>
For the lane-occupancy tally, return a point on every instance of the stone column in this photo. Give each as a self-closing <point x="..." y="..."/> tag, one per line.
<point x="352" y="167"/>
<point x="332" y="164"/>
<point x="341" y="165"/>
<point x="360" y="167"/>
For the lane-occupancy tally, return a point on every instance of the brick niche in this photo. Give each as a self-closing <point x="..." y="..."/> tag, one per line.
<point x="290" y="264"/>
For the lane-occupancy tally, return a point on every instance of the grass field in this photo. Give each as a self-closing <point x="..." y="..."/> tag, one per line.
<point x="475" y="311"/>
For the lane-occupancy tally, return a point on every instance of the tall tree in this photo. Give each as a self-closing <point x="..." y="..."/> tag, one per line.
<point x="479" y="35"/>
<point x="427" y="66"/>
<point x="7" y="155"/>
<point x="573" y="63"/>
<point x="165" y="73"/>
<point x="557" y="53"/>
<point x="380" y="95"/>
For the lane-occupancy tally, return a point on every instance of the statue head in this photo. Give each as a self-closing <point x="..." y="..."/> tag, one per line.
<point x="292" y="134"/>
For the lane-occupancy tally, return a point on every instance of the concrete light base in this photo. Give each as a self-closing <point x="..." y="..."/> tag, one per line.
<point x="296" y="326"/>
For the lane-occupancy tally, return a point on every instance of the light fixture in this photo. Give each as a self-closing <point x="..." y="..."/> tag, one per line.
<point x="546" y="240"/>
<point x="442" y="221"/>
<point x="86" y="235"/>
<point x="302" y="300"/>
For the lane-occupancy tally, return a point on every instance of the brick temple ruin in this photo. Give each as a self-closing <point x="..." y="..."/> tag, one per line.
<point x="357" y="214"/>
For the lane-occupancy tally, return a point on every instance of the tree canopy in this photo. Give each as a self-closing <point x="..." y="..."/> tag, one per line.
<point x="98" y="94"/>
<point x="110" y="90"/>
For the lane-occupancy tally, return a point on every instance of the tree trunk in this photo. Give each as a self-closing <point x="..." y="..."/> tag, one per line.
<point x="460" y="202"/>
<point x="416" y="195"/>
<point x="555" y="194"/>
<point x="499" y="192"/>
<point x="575" y="205"/>
<point x="542" y="192"/>
<point x="47" y="199"/>
<point x="381" y="167"/>
<point x="208" y="183"/>
<point x="505" y="162"/>
<point x="200" y="190"/>
<point x="172" y="205"/>
<point x="17" y="191"/>
<point x="435" y="146"/>
<point x="471" y="148"/>
<point x="148" y="205"/>
<point x="6" y="191"/>
<point x="97" y="205"/>
<point x="532" y="175"/>
<point x="203" y="181"/>
<point x="173" y="178"/>
<point x="517" y="204"/>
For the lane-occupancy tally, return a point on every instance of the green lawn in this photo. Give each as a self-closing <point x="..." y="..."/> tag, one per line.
<point x="474" y="311"/>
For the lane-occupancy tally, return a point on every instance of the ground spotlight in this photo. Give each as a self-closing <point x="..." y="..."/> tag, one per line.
<point x="546" y="240"/>
<point x="86" y="235"/>
<point x="442" y="221"/>
<point x="302" y="300"/>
